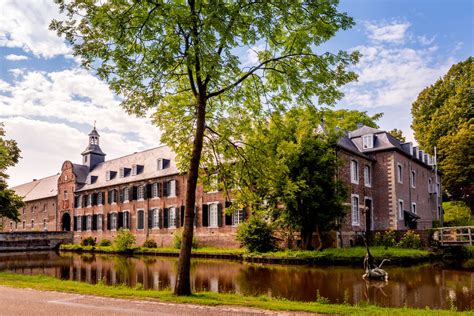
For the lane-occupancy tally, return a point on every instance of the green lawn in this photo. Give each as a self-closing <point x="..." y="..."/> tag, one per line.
<point x="40" y="282"/>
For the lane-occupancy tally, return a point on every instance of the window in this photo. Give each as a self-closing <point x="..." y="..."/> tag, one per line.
<point x="156" y="218"/>
<point x="355" y="210"/>
<point x="23" y="210"/>
<point x="413" y="179"/>
<point x="237" y="217"/>
<point x="430" y="185"/>
<point x="126" y="194"/>
<point x="89" y="200"/>
<point x="134" y="170"/>
<point x="11" y="225"/>
<point x="173" y="217"/>
<point x="400" y="209"/>
<point x="100" y="198"/>
<point x="140" y="219"/>
<point x="154" y="190"/>
<point x="213" y="215"/>
<point x="122" y="172"/>
<point x="113" y="222"/>
<point x="99" y="222"/>
<point x="45" y="224"/>
<point x="141" y="192"/>
<point x="44" y="208"/>
<point x="162" y="163"/>
<point x="399" y="173"/>
<point x="172" y="188"/>
<point x="126" y="220"/>
<point x="24" y="224"/>
<point x="32" y="223"/>
<point x="109" y="175"/>
<point x="89" y="222"/>
<point x="65" y="177"/>
<point x="354" y="172"/>
<point x="368" y="141"/>
<point x="367" y="176"/>
<point x="65" y="194"/>
<point x="413" y="208"/>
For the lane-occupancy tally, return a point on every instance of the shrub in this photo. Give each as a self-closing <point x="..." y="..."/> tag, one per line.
<point x="105" y="243"/>
<point x="89" y="241"/>
<point x="177" y="238"/>
<point x="256" y="235"/>
<point x="388" y="239"/>
<point x="457" y="213"/>
<point x="378" y="241"/>
<point x="124" y="240"/>
<point x="410" y="240"/>
<point x="150" y="243"/>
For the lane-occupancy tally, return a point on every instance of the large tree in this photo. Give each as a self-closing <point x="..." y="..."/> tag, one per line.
<point x="443" y="117"/>
<point x="9" y="156"/>
<point x="180" y="60"/>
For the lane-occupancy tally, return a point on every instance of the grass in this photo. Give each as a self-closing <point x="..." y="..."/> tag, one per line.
<point x="47" y="283"/>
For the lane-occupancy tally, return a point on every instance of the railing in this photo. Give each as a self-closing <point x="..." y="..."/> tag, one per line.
<point x="455" y="235"/>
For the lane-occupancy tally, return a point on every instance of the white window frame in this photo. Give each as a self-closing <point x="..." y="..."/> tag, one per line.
<point x="143" y="212"/>
<point x="89" y="200"/>
<point x="236" y="215"/>
<point x="141" y="192"/>
<point x="354" y="171"/>
<point x="154" y="191"/>
<point x="114" y="221"/>
<point x="368" y="141"/>
<point x="65" y="194"/>
<point x="172" y="188"/>
<point x="355" y="210"/>
<point x="99" y="221"/>
<point x="400" y="206"/>
<point x="368" y="176"/>
<point x="156" y="218"/>
<point x="172" y="216"/>
<point x="399" y="173"/>
<point x="99" y="198"/>
<point x="413" y="179"/>
<point x="413" y="208"/>
<point x="213" y="215"/>
<point x="134" y="170"/>
<point x="159" y="164"/>
<point x="126" y="194"/>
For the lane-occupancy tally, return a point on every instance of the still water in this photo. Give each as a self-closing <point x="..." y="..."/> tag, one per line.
<point x="418" y="286"/>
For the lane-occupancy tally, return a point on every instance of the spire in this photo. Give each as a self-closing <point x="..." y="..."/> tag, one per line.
<point x="93" y="154"/>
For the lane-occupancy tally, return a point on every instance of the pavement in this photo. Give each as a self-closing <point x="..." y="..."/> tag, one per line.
<point x="15" y="301"/>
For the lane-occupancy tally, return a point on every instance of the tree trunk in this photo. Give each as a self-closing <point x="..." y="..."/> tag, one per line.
<point x="306" y="239"/>
<point x="183" y="282"/>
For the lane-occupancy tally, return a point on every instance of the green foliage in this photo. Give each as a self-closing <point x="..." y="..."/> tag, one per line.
<point x="150" y="243"/>
<point x="410" y="240"/>
<point x="386" y="239"/>
<point x="256" y="235"/>
<point x="442" y="117"/>
<point x="457" y="213"/>
<point x="321" y="299"/>
<point x="89" y="241"/>
<point x="105" y="243"/>
<point x="124" y="240"/>
<point x="178" y="237"/>
<point x="348" y="120"/>
<point x="9" y="156"/>
<point x="398" y="134"/>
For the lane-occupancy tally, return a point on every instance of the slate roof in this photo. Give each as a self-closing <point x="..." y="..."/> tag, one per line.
<point x="147" y="159"/>
<point x="38" y="189"/>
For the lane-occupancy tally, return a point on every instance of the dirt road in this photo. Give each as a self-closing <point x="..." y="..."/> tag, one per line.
<point x="15" y="301"/>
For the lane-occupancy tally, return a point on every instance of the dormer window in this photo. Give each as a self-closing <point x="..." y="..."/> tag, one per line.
<point x="137" y="169"/>
<point x="109" y="175"/>
<point x="162" y="163"/>
<point x="124" y="172"/>
<point x="368" y="141"/>
<point x="91" y="179"/>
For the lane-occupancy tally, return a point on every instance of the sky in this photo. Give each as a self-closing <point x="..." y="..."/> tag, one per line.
<point x="49" y="104"/>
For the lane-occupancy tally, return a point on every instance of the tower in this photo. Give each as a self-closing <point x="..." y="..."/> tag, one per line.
<point x="93" y="155"/>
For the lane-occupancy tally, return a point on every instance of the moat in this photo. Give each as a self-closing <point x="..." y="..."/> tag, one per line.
<point x="419" y="286"/>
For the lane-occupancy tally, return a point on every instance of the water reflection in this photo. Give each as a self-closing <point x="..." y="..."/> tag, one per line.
<point x="418" y="286"/>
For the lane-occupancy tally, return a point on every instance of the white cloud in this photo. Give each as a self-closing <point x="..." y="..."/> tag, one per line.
<point x="251" y="57"/>
<point x="56" y="109"/>
<point x="24" y="24"/>
<point x="392" y="32"/>
<point x="425" y="40"/>
<point x="13" y="57"/>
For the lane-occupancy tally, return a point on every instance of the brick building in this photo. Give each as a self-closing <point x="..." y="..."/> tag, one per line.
<point x="391" y="185"/>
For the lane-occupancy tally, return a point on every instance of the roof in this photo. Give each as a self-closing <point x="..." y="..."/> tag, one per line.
<point x="364" y="130"/>
<point x="93" y="148"/>
<point x="346" y="144"/>
<point x="81" y="172"/>
<point x="38" y="189"/>
<point x="147" y="159"/>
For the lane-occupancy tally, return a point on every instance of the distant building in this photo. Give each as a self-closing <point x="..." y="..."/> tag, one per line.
<point x="392" y="185"/>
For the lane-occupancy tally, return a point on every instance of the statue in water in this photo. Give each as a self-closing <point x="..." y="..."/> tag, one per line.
<point x="372" y="271"/>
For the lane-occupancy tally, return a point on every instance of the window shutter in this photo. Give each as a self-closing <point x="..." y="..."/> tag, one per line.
<point x="120" y="220"/>
<point x="159" y="189"/>
<point x="134" y="193"/>
<point x="176" y="187"/>
<point x="84" y="200"/>
<point x="165" y="218"/>
<point x="121" y="195"/>
<point x="94" y="198"/>
<point x="115" y="195"/>
<point x="228" y="219"/>
<point x="148" y="191"/>
<point x="244" y="214"/>
<point x="219" y="215"/>
<point x="205" y="215"/>
<point x="109" y="221"/>
<point x="84" y="222"/>
<point x="75" y="223"/>
<point x="103" y="197"/>
<point x="182" y="215"/>
<point x="176" y="219"/>
<point x="150" y="218"/>
<point x="160" y="218"/>
<point x="165" y="188"/>
<point x="94" y="222"/>
<point x="109" y="197"/>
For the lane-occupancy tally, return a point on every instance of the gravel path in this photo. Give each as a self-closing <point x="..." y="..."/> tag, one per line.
<point x="14" y="301"/>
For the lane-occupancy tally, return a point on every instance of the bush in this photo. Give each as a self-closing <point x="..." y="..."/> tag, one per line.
<point x="124" y="240"/>
<point x="386" y="239"/>
<point x="256" y="235"/>
<point x="410" y="240"/>
<point x="457" y="213"/>
<point x="105" y="243"/>
<point x="89" y="241"/>
<point x="177" y="238"/>
<point x="150" y="243"/>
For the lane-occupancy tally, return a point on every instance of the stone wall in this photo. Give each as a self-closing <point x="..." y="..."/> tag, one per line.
<point x="24" y="241"/>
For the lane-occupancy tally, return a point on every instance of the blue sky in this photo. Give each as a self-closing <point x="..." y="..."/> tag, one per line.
<point x="48" y="103"/>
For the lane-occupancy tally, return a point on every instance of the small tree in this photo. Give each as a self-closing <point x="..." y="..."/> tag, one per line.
<point x="124" y="240"/>
<point x="256" y="235"/>
<point x="457" y="213"/>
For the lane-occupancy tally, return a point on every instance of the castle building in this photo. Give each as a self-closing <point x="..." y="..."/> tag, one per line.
<point x="392" y="185"/>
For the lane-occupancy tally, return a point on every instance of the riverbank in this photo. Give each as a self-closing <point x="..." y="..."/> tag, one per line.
<point x="333" y="256"/>
<point x="46" y="283"/>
